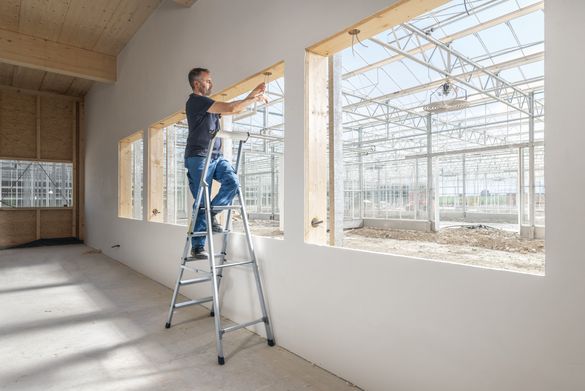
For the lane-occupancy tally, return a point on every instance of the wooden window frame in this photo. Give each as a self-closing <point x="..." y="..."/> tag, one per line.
<point x="155" y="155"/>
<point x="124" y="179"/>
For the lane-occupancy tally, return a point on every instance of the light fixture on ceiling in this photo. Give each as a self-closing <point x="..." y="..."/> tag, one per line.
<point x="449" y="99"/>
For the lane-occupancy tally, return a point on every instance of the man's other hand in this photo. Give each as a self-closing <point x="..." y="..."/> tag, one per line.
<point x="262" y="98"/>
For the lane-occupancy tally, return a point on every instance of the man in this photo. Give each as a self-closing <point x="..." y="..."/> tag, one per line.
<point x="203" y="115"/>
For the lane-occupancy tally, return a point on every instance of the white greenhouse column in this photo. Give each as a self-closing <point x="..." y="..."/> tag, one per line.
<point x="430" y="182"/>
<point x="336" y="166"/>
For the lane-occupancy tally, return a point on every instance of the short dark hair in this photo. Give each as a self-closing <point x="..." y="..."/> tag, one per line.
<point x="194" y="74"/>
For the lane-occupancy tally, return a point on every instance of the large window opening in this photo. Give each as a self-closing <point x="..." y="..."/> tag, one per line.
<point x="438" y="145"/>
<point x="32" y="184"/>
<point x="262" y="162"/>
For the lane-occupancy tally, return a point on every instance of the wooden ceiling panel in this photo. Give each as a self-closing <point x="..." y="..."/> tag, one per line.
<point x="103" y="26"/>
<point x="6" y="73"/>
<point x="9" y="13"/>
<point x="30" y="79"/>
<point x="126" y="21"/>
<point x="59" y="84"/>
<point x="86" y="20"/>
<point x="79" y="87"/>
<point x="43" y="18"/>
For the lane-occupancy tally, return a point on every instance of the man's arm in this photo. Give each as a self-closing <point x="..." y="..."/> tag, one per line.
<point x="227" y="108"/>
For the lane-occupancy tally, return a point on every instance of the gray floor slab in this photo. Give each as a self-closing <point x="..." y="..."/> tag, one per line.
<point x="75" y="320"/>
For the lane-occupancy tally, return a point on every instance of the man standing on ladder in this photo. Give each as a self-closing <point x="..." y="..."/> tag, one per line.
<point x="203" y="114"/>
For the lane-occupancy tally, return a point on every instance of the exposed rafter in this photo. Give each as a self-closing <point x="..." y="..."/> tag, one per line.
<point x="418" y="121"/>
<point x="516" y="99"/>
<point x="434" y="84"/>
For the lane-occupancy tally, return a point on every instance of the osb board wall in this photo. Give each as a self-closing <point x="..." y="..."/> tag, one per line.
<point x="36" y="127"/>
<point x="56" y="223"/>
<point x="40" y="127"/>
<point x="18" y="125"/>
<point x="17" y="227"/>
<point x="56" y="120"/>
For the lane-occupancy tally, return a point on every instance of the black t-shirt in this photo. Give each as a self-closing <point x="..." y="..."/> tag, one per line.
<point x="202" y="125"/>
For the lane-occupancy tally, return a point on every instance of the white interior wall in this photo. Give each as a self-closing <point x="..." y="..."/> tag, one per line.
<point x="383" y="322"/>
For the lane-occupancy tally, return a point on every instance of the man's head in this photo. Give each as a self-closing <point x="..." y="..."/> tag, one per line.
<point x="200" y="81"/>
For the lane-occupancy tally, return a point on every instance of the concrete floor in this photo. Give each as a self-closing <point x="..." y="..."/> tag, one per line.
<point x="75" y="320"/>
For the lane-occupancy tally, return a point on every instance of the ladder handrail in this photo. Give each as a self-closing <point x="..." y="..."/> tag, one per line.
<point x="233" y="135"/>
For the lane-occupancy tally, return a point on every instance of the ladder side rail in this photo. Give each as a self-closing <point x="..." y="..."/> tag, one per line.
<point x="229" y="223"/>
<point x="211" y="257"/>
<point x="260" y="290"/>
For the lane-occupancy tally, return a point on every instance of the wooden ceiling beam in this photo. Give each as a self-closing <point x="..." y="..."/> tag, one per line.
<point x="37" y="53"/>
<point x="399" y="12"/>
<point x="246" y="85"/>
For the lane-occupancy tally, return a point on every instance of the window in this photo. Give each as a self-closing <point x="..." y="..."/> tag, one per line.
<point x="130" y="176"/>
<point x="33" y="184"/>
<point x="170" y="200"/>
<point x="436" y="129"/>
<point x="261" y="170"/>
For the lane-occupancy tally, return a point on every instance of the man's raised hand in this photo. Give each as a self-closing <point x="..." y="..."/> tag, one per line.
<point x="259" y="90"/>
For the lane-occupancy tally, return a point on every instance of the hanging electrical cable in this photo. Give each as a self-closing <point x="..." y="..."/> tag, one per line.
<point x="355" y="37"/>
<point x="266" y="83"/>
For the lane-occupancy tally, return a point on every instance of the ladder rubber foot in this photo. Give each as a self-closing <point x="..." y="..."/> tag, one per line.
<point x="270" y="342"/>
<point x="167" y="325"/>
<point x="220" y="360"/>
<point x="212" y="314"/>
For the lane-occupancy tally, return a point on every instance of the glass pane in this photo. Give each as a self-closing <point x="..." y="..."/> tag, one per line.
<point x="262" y="159"/>
<point x="28" y="184"/>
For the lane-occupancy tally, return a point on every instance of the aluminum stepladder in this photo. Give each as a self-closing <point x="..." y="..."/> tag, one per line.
<point x="218" y="262"/>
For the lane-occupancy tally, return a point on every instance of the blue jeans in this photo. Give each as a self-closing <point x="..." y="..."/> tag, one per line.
<point x="222" y="171"/>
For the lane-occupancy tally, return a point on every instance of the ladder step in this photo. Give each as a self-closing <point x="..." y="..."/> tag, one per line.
<point x="194" y="280"/>
<point x="224" y="207"/>
<point x="194" y="269"/>
<point x="192" y="259"/>
<point x="241" y="325"/>
<point x="234" y="264"/>
<point x="204" y="233"/>
<point x="193" y="302"/>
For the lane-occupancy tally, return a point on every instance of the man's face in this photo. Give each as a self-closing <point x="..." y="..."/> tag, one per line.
<point x="203" y="84"/>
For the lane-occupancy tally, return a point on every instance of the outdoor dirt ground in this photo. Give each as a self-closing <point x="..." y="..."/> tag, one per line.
<point x="480" y="246"/>
<point x="487" y="247"/>
<point x="268" y="228"/>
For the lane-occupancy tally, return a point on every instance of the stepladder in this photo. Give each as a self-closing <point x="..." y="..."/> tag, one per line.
<point x="211" y="269"/>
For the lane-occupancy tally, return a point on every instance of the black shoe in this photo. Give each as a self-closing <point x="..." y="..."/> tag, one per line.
<point x="198" y="252"/>
<point x="215" y="225"/>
